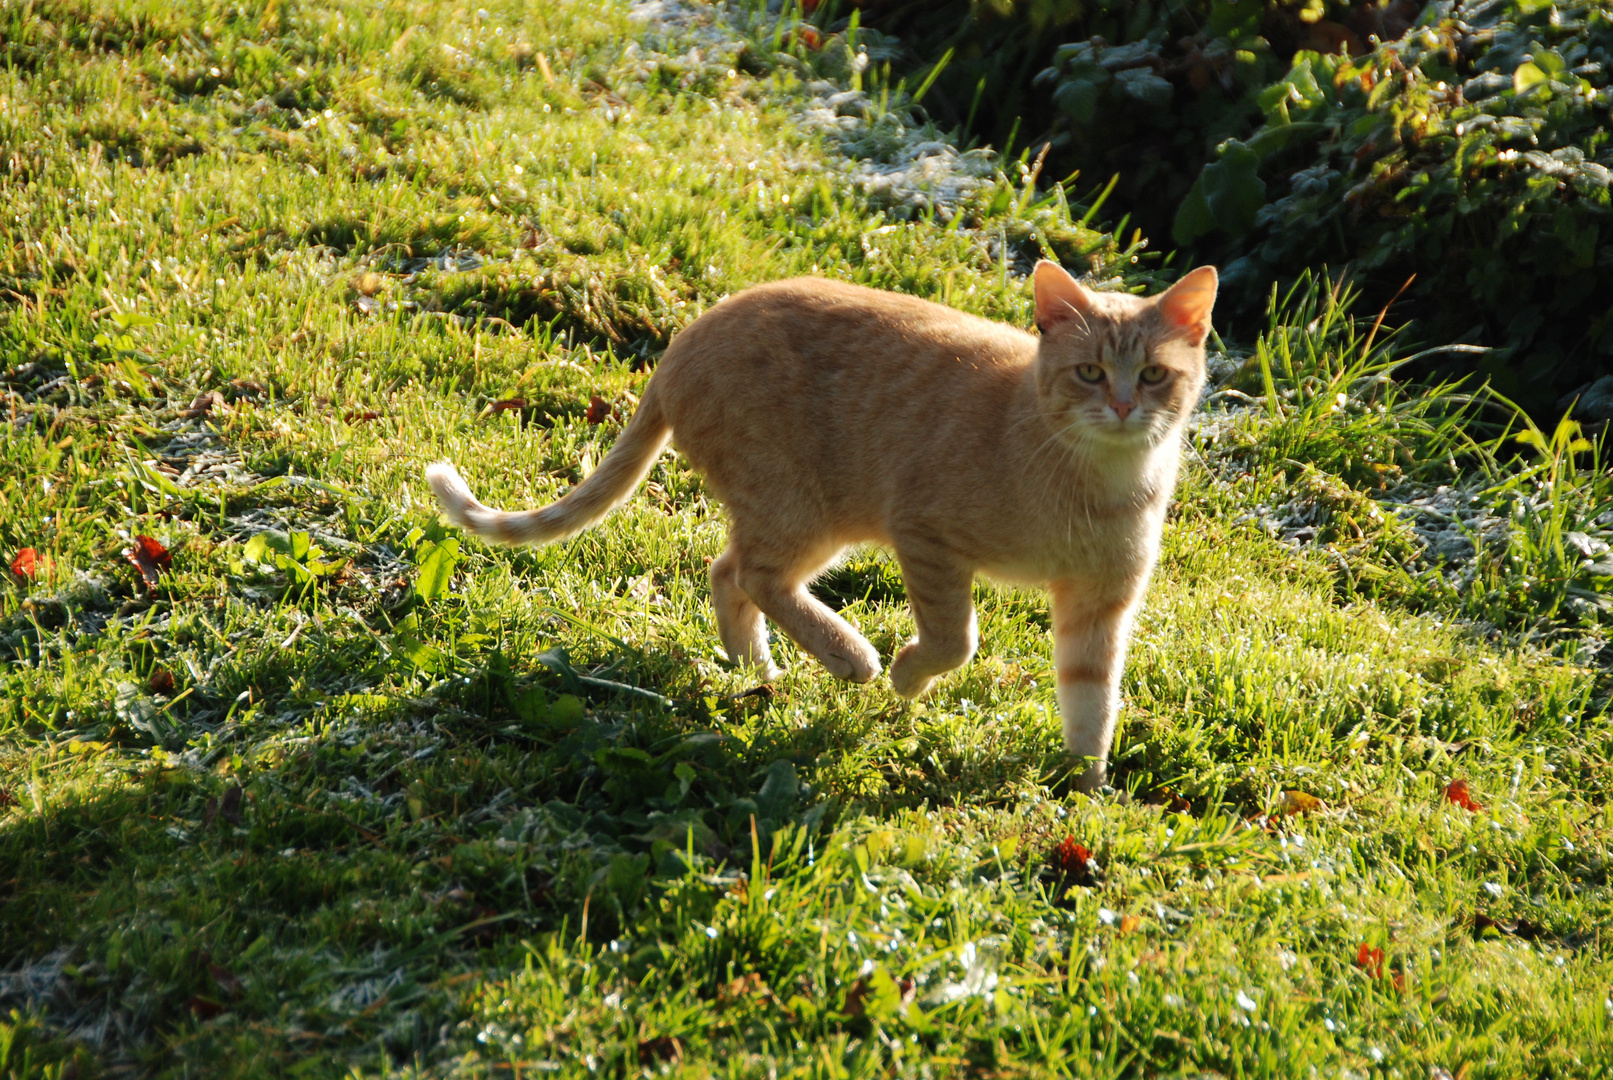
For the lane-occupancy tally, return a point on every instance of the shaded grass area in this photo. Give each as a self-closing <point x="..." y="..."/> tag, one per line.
<point x="333" y="794"/>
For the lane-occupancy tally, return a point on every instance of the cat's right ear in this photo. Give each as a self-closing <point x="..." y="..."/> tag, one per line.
<point x="1059" y="297"/>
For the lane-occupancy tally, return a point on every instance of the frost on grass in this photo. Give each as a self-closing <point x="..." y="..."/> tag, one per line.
<point x="64" y="989"/>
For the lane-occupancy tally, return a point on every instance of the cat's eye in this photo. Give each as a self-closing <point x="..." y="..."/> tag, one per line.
<point x="1153" y="374"/>
<point x="1092" y="373"/>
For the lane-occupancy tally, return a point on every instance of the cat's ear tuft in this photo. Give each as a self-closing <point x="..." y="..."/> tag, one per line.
<point x="1059" y="297"/>
<point x="1186" y="305"/>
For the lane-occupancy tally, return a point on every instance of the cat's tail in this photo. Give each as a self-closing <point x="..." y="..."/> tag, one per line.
<point x="606" y="488"/>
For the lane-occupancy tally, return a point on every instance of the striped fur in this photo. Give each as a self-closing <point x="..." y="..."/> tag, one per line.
<point x="606" y="488"/>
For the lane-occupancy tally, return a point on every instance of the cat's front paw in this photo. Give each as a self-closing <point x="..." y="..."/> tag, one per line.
<point x="906" y="679"/>
<point x="1095" y="776"/>
<point x="858" y="666"/>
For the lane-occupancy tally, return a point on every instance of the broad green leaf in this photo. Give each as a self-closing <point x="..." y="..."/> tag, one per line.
<point x="778" y="794"/>
<point x="567" y="710"/>
<point x="1233" y="190"/>
<point x="1077" y="98"/>
<point x="1551" y="62"/>
<point x="1527" y="77"/>
<point x="257" y="548"/>
<point x="1193" y="218"/>
<point x="436" y="562"/>
<point x="685" y="775"/>
<point x="1145" y="86"/>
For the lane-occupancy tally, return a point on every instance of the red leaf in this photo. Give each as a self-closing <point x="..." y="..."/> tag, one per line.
<point x="598" y="410"/>
<point x="807" y="36"/>
<point x="161" y="682"/>
<point x="1073" y="861"/>
<point x="149" y="557"/>
<point x="1457" y="792"/>
<point x="204" y="1008"/>
<point x="26" y="564"/>
<point x="1370" y="960"/>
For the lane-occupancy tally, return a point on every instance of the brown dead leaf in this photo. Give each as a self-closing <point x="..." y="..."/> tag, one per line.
<point x="360" y="416"/>
<point x="857" y="996"/>
<point x="507" y="404"/>
<point x="228" y="982"/>
<point x="598" y="410"/>
<point x="743" y="988"/>
<point x="230" y="807"/>
<point x="204" y="1008"/>
<point x="150" y="558"/>
<point x="368" y="283"/>
<point x="1128" y="923"/>
<point x="204" y="403"/>
<point x="660" y="1048"/>
<point x="1522" y="928"/>
<point x="161" y="682"/>
<point x="1299" y="802"/>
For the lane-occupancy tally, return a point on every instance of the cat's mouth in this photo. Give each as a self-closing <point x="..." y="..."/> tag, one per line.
<point x="1131" y="429"/>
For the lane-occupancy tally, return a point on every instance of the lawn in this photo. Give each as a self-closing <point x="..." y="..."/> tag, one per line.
<point x="296" y="780"/>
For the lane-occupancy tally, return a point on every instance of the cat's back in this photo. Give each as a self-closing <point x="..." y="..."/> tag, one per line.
<point x="846" y="389"/>
<point x="804" y="336"/>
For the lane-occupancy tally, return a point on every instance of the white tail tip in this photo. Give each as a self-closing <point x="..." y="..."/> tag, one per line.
<point x="453" y="494"/>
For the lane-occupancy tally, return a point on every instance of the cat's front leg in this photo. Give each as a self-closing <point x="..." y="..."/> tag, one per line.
<point x="1091" y="629"/>
<point x="938" y="590"/>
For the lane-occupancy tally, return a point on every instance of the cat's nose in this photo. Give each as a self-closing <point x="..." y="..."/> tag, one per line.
<point x="1122" y="408"/>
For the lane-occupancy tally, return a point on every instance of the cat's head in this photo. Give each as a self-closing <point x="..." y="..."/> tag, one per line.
<point x="1116" y="368"/>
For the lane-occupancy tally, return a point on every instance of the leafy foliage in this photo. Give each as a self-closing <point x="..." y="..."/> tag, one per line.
<point x="1473" y="153"/>
<point x="1143" y="92"/>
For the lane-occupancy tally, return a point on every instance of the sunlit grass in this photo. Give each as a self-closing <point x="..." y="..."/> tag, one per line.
<point x="338" y="797"/>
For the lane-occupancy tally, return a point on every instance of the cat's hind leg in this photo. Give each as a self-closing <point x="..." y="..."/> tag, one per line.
<point x="739" y="620"/>
<point x="775" y="578"/>
<point x="938" y="592"/>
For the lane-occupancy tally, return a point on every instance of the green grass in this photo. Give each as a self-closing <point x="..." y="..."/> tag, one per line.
<point x="343" y="795"/>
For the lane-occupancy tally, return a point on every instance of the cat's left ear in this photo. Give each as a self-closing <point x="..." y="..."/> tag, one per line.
<point x="1058" y="296"/>
<point x="1186" y="305"/>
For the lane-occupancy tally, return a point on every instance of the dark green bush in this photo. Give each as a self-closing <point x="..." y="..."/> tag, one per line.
<point x="1141" y="91"/>
<point x="1473" y="153"/>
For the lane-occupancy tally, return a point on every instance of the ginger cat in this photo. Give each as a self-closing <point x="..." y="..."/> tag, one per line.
<point x="824" y="414"/>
